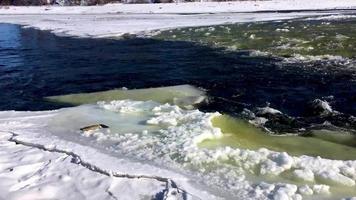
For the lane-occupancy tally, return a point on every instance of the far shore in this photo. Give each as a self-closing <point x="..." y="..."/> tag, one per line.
<point x="115" y="20"/>
<point x="186" y="7"/>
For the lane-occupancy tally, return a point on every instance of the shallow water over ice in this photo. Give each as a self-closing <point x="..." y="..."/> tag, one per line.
<point x="177" y="139"/>
<point x="239" y="133"/>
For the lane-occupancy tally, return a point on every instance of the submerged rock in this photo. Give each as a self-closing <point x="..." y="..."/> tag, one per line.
<point x="318" y="115"/>
<point x="319" y="107"/>
<point x="268" y="110"/>
<point x="277" y="121"/>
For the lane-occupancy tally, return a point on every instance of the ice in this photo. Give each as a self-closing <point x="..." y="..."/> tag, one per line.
<point x="115" y="20"/>
<point x="268" y="110"/>
<point x="127" y="106"/>
<point x="334" y="177"/>
<point x="321" y="189"/>
<point x="286" y="192"/>
<point x="188" y="7"/>
<point x="182" y="95"/>
<point x="169" y="136"/>
<point x="351" y="198"/>
<point x="305" y="190"/>
<point x="32" y="173"/>
<point x="305" y="174"/>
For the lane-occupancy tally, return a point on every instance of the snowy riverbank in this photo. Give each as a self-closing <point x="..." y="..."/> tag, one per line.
<point x="187" y="8"/>
<point x="150" y="151"/>
<point x="117" y="19"/>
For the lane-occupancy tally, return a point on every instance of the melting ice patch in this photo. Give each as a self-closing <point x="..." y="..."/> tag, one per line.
<point x="176" y="143"/>
<point x="182" y="95"/>
<point x="169" y="136"/>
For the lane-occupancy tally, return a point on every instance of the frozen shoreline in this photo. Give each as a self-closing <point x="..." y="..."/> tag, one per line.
<point x="115" y="25"/>
<point x="43" y="153"/>
<point x="48" y="166"/>
<point x="114" y="20"/>
<point x="187" y="8"/>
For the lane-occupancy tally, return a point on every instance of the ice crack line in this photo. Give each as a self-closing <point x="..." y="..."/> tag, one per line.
<point x="170" y="184"/>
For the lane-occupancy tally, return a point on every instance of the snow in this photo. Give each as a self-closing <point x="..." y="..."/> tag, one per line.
<point x="286" y="192"/>
<point x="335" y="177"/>
<point x="160" y="145"/>
<point x="126" y="106"/>
<point x="115" y="25"/>
<point x="321" y="189"/>
<point x="305" y="174"/>
<point x="305" y="190"/>
<point x="30" y="173"/>
<point x="114" y="20"/>
<point x="189" y="7"/>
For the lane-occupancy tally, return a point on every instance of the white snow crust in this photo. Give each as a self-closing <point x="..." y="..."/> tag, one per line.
<point x="160" y="145"/>
<point x="114" y="20"/>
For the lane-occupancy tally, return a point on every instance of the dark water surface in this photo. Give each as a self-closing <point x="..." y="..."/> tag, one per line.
<point x="35" y="64"/>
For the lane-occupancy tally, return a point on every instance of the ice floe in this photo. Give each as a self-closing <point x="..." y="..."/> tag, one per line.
<point x="168" y="136"/>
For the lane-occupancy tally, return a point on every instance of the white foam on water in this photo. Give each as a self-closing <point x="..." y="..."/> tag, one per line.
<point x="332" y="17"/>
<point x="297" y="58"/>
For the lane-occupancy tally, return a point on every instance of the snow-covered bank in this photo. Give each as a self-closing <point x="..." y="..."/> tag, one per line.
<point x="188" y="8"/>
<point x="28" y="172"/>
<point x="144" y="135"/>
<point x="114" y="25"/>
<point x="117" y="19"/>
<point x="37" y="164"/>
